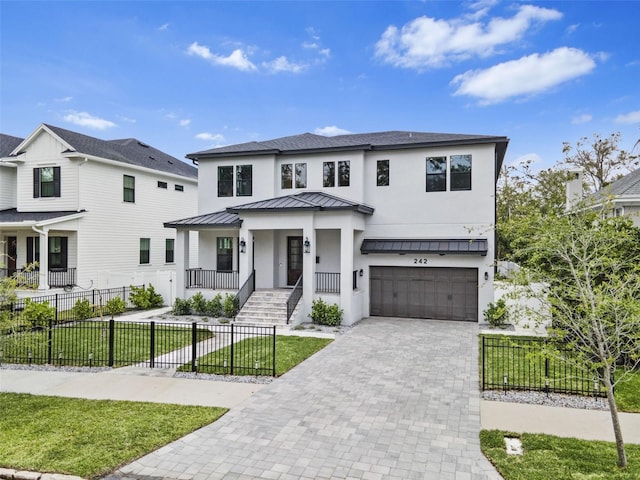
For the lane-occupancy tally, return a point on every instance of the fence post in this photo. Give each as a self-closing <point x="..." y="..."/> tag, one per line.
<point x="50" y="343"/>
<point x="231" y="373"/>
<point x="194" y="350"/>
<point x="274" y="351"/>
<point x="56" y="308"/>
<point x="112" y="325"/>
<point x="483" y="364"/>
<point x="152" y="341"/>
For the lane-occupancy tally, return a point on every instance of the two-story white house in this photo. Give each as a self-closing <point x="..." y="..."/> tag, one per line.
<point x="90" y="211"/>
<point x="390" y="224"/>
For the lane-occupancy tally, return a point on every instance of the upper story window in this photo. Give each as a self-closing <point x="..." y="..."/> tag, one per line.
<point x="179" y="188"/>
<point x="286" y="176"/>
<point x="329" y="174"/>
<point x="225" y="181"/>
<point x="344" y="173"/>
<point x="301" y="175"/>
<point x="162" y="184"/>
<point x="46" y="182"/>
<point x="128" y="188"/>
<point x="460" y="172"/>
<point x="382" y="173"/>
<point x="244" y="184"/>
<point x="436" y="174"/>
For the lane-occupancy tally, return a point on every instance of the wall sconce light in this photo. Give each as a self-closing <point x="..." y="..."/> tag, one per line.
<point x="486" y="275"/>
<point x="307" y="245"/>
<point x="361" y="272"/>
<point x="243" y="245"/>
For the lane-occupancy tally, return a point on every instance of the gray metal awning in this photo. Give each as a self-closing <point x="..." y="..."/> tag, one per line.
<point x="208" y="220"/>
<point x="440" y="246"/>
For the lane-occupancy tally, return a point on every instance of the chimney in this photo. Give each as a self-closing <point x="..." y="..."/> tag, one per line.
<point x="574" y="189"/>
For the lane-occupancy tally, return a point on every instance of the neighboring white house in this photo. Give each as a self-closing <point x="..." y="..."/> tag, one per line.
<point x="624" y="195"/>
<point x="390" y="224"/>
<point x="90" y="211"/>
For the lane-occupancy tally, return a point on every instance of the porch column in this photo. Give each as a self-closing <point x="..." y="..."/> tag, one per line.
<point x="182" y="261"/>
<point x="245" y="260"/>
<point x="308" y="266"/>
<point x="43" y="263"/>
<point x="346" y="271"/>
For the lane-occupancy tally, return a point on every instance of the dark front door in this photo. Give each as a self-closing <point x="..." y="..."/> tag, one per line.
<point x="12" y="254"/>
<point x="294" y="259"/>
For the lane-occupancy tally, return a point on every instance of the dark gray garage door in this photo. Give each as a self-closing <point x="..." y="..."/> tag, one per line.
<point x="440" y="293"/>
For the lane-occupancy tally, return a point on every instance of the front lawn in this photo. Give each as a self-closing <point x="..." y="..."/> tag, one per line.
<point x="548" y="457"/>
<point x="88" y="438"/>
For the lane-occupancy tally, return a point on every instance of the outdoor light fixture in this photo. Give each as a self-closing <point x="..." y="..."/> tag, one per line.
<point x="486" y="275"/>
<point x="307" y="245"/>
<point x="243" y="245"/>
<point x="361" y="273"/>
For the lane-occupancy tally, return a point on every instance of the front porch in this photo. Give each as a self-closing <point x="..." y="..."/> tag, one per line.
<point x="29" y="278"/>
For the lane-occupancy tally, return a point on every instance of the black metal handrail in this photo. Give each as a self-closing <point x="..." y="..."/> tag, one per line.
<point x="211" y="279"/>
<point x="327" y="282"/>
<point x="56" y="277"/>
<point x="245" y="291"/>
<point x="294" y="298"/>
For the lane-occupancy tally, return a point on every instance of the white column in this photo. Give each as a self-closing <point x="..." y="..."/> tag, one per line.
<point x="43" y="272"/>
<point x="245" y="264"/>
<point x="346" y="271"/>
<point x="308" y="265"/>
<point x="182" y="261"/>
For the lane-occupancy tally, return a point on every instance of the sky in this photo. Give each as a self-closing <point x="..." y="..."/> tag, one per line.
<point x="193" y="75"/>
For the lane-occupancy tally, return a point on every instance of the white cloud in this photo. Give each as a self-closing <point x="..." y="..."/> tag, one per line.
<point x="185" y="122"/>
<point x="281" y="64"/>
<point x="580" y="119"/>
<point x="86" y="120"/>
<point x="571" y="29"/>
<point x="430" y="42"/>
<point x="331" y="131"/>
<point x="210" y="137"/>
<point x="630" y="118"/>
<point x="126" y="119"/>
<point x="163" y="27"/>
<point x="525" y="76"/>
<point x="237" y="59"/>
<point x="63" y="99"/>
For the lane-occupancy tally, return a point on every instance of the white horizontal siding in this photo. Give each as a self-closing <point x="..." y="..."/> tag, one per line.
<point x="8" y="197"/>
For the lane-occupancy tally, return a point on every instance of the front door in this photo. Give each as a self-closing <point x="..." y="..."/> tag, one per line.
<point x="294" y="259"/>
<point x="12" y="254"/>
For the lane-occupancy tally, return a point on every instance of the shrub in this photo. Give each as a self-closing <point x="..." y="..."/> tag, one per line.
<point x="324" y="314"/>
<point x="145" y="298"/>
<point x="182" y="307"/>
<point x="38" y="314"/>
<point x="115" y="306"/>
<point x="199" y="304"/>
<point x="229" y="305"/>
<point x="496" y="314"/>
<point x="83" y="309"/>
<point x="215" y="307"/>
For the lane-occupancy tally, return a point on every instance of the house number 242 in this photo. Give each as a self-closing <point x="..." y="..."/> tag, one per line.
<point x="420" y="261"/>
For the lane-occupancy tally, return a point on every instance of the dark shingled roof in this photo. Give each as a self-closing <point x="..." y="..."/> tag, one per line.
<point x="208" y="220"/>
<point x="308" y="142"/>
<point x="126" y="150"/>
<point x="473" y="246"/>
<point x="8" y="143"/>
<point x="302" y="202"/>
<point x="12" y="215"/>
<point x="627" y="185"/>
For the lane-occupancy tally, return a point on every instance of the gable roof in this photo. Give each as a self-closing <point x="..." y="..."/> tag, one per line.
<point x="8" y="144"/>
<point x="629" y="185"/>
<point x="308" y="143"/>
<point x="127" y="150"/>
<point x="304" y="201"/>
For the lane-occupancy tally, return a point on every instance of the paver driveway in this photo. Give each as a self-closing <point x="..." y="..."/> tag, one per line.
<point x="391" y="399"/>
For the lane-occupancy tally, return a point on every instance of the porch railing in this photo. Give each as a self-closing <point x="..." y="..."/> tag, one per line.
<point x="245" y="291"/>
<point x="294" y="298"/>
<point x="57" y="277"/>
<point x="327" y="282"/>
<point x="211" y="279"/>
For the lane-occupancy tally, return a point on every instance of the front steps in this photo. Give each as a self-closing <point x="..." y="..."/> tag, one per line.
<point x="266" y="307"/>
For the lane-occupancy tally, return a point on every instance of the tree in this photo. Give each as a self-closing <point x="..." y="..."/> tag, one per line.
<point x="590" y="268"/>
<point x="601" y="159"/>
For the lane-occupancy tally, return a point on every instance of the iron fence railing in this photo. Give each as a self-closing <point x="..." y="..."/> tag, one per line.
<point x="245" y="291"/>
<point x="519" y="364"/>
<point x="56" y="277"/>
<point x="294" y="298"/>
<point x="221" y="349"/>
<point x="327" y="282"/>
<point x="63" y="303"/>
<point x="211" y="279"/>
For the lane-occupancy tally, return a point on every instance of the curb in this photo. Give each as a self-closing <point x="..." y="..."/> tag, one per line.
<point x="11" y="474"/>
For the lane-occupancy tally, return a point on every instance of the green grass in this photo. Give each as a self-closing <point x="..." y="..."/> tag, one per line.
<point x="290" y="351"/>
<point x="74" y="342"/>
<point x="89" y="437"/>
<point x="627" y="394"/>
<point x="548" y="457"/>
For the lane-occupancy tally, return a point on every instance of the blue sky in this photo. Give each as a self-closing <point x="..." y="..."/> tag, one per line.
<point x="188" y="76"/>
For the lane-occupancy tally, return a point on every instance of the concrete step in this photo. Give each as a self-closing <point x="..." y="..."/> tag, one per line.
<point x="265" y="307"/>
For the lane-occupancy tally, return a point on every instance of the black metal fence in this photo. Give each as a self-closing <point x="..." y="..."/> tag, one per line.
<point x="56" y="277"/>
<point x="211" y="279"/>
<point x="196" y="347"/>
<point x="64" y="303"/>
<point x="327" y="282"/>
<point x="520" y="364"/>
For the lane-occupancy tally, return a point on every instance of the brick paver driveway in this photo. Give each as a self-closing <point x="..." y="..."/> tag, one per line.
<point x="391" y="399"/>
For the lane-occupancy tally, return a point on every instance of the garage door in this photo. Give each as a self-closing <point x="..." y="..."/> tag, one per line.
<point x="439" y="293"/>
